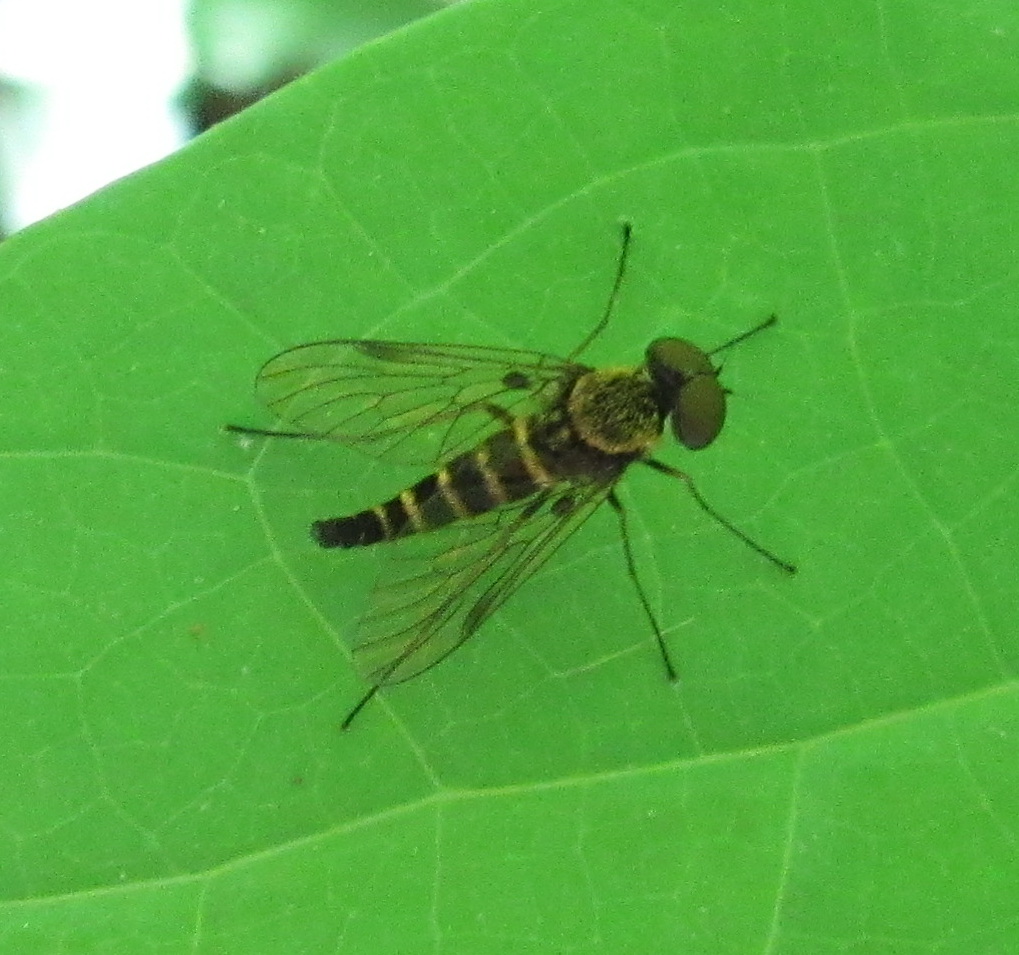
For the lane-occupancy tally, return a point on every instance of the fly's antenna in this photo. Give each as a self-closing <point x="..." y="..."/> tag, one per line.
<point x="624" y="250"/>
<point x="767" y="323"/>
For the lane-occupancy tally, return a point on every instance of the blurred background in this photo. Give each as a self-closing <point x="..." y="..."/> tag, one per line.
<point x="92" y="91"/>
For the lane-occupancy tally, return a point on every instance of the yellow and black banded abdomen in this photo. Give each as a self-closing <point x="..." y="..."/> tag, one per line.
<point x="504" y="468"/>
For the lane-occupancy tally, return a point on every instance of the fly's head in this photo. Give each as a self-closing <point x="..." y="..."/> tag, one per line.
<point x="688" y="390"/>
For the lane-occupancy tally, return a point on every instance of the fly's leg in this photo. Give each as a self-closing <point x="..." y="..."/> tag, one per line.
<point x="266" y="433"/>
<point x="712" y="513"/>
<point x="631" y="569"/>
<point x="624" y="251"/>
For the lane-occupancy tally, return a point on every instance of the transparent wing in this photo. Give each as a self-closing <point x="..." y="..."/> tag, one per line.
<point x="408" y="402"/>
<point x="443" y="585"/>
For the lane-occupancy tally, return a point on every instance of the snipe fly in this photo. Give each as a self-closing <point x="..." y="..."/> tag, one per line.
<point x="525" y="447"/>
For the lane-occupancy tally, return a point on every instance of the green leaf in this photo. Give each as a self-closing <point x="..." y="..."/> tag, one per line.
<point x="835" y="771"/>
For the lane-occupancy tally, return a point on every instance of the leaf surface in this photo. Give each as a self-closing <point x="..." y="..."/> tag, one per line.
<point x="836" y="770"/>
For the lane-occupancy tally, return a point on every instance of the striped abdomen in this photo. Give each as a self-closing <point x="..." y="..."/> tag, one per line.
<point x="504" y="468"/>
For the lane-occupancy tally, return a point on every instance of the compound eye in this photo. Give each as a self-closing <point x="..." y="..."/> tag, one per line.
<point x="699" y="412"/>
<point x="674" y="360"/>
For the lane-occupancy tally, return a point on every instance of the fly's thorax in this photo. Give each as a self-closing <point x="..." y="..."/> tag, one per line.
<point x="615" y="411"/>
